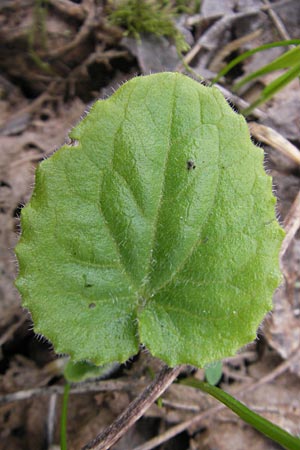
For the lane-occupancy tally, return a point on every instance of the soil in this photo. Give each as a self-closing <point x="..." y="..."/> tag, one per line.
<point x="56" y="58"/>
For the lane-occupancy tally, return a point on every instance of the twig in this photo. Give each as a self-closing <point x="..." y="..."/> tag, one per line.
<point x="232" y="46"/>
<point x="69" y="8"/>
<point x="277" y="22"/>
<point x="180" y="406"/>
<point x="177" y="429"/>
<point x="83" y="33"/>
<point x="11" y="329"/>
<point x="242" y="104"/>
<point x="12" y="5"/>
<point x="274" y="139"/>
<point x="250" y="356"/>
<point x="51" y="419"/>
<point x="293" y="217"/>
<point x="135" y="410"/>
<point x="208" y="39"/>
<point x="196" y="420"/>
<point x="217" y="30"/>
<point x="190" y="56"/>
<point x="29" y="109"/>
<point x="233" y="374"/>
<point x="292" y="225"/>
<point x="97" y="56"/>
<point x="100" y="386"/>
<point x="197" y="19"/>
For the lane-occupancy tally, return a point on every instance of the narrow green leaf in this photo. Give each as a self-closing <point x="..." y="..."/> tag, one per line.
<point x="64" y="418"/>
<point x="275" y="86"/>
<point x="251" y="52"/>
<point x="157" y="227"/>
<point x="280" y="82"/>
<point x="289" y="60"/>
<point x="258" y="422"/>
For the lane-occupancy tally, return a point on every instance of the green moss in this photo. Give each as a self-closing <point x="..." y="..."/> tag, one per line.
<point x="149" y="16"/>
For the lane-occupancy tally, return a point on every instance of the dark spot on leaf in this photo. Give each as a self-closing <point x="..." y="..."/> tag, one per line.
<point x="92" y="305"/>
<point x="190" y="164"/>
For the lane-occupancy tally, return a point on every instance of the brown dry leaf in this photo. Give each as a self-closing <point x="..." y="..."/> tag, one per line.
<point x="18" y="158"/>
<point x="278" y="401"/>
<point x="282" y="329"/>
<point x="211" y="8"/>
<point x="288" y="13"/>
<point x="154" y="53"/>
<point x="283" y="111"/>
<point x="23" y="423"/>
<point x="231" y="434"/>
<point x="86" y="419"/>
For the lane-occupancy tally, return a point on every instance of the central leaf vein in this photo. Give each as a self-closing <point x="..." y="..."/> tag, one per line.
<point x="160" y="202"/>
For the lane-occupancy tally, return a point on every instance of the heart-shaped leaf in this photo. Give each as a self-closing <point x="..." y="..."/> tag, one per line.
<point x="157" y="227"/>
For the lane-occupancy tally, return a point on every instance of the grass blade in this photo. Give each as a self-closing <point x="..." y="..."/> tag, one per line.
<point x="246" y="55"/>
<point x="288" y="60"/>
<point x="275" y="86"/>
<point x="258" y="422"/>
<point x="63" y="420"/>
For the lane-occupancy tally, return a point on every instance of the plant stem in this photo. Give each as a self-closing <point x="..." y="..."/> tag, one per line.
<point x="258" y="422"/>
<point x="135" y="410"/>
<point x="63" y="420"/>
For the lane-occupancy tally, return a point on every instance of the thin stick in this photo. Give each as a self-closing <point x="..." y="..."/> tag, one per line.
<point x="177" y="429"/>
<point x="82" y="34"/>
<point x="51" y="419"/>
<point x="69" y="8"/>
<point x="217" y="62"/>
<point x="282" y="31"/>
<point x="242" y="104"/>
<point x="10" y="331"/>
<point x="135" y="410"/>
<point x="271" y="137"/>
<point x="98" y="386"/>
<point x="292" y="225"/>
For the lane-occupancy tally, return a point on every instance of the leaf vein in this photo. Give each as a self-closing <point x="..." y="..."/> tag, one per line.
<point x="106" y="223"/>
<point x="155" y="224"/>
<point x="133" y="195"/>
<point x="197" y="242"/>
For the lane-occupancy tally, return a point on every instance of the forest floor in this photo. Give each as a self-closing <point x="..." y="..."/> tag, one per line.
<point x="57" y="57"/>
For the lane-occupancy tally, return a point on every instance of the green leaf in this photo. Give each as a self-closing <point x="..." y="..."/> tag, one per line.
<point x="125" y="242"/>
<point x="213" y="372"/>
<point x="258" y="422"/>
<point x="76" y="372"/>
